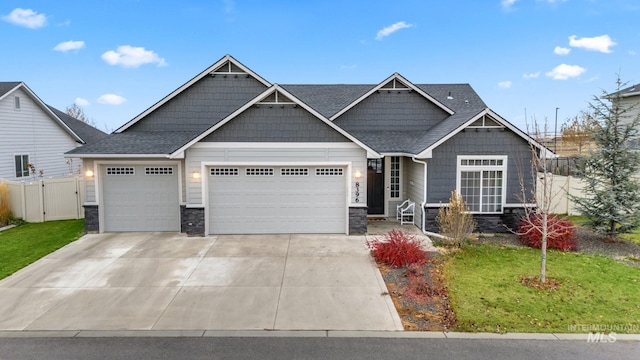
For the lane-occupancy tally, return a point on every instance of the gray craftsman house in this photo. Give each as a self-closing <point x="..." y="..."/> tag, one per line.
<point x="229" y="152"/>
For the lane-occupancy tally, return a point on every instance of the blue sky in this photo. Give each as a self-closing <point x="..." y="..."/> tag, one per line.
<point x="117" y="58"/>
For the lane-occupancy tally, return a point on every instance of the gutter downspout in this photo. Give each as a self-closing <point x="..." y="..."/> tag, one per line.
<point x="424" y="193"/>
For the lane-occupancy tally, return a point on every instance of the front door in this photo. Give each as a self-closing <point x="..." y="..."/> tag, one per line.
<point x="375" y="186"/>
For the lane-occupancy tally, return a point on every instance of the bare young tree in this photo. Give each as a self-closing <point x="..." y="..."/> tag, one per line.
<point x="578" y="130"/>
<point x="77" y="112"/>
<point x="538" y="201"/>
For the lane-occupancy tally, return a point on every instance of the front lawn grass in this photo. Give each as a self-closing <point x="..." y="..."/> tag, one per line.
<point x="24" y="244"/>
<point x="487" y="296"/>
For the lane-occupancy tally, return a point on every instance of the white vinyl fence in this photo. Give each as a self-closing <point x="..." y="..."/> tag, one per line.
<point x="562" y="186"/>
<point x="47" y="199"/>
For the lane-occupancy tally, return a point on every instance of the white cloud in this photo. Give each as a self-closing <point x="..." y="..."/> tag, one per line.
<point x="600" y="43"/>
<point x="26" y="17"/>
<point x="391" y="29"/>
<point x="531" y="75"/>
<point x="133" y="57"/>
<point x="69" y="45"/>
<point x="632" y="52"/>
<point x="564" y="72"/>
<point x="82" y="102"/>
<point x="553" y="1"/>
<point x="111" y="99"/>
<point x="507" y="3"/>
<point x="504" y="84"/>
<point x="559" y="50"/>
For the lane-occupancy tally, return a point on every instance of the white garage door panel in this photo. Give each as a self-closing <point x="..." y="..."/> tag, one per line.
<point x="263" y="204"/>
<point x="137" y="201"/>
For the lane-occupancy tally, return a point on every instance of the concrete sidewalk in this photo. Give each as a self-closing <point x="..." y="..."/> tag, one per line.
<point x="171" y="282"/>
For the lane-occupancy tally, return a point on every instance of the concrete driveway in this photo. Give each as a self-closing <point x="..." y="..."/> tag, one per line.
<point x="168" y="281"/>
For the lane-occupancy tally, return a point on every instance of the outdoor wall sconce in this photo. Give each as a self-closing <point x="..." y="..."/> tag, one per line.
<point x="358" y="175"/>
<point x="89" y="173"/>
<point x="195" y="175"/>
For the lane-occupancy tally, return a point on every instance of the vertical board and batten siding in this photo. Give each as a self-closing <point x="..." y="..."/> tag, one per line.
<point x="90" y="184"/>
<point x="195" y="156"/>
<point x="414" y="186"/>
<point x="58" y="199"/>
<point x="30" y="130"/>
<point x="442" y="168"/>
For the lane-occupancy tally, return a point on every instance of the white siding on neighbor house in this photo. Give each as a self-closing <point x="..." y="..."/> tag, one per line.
<point x="627" y="103"/>
<point x="414" y="186"/>
<point x="194" y="157"/>
<point x="31" y="131"/>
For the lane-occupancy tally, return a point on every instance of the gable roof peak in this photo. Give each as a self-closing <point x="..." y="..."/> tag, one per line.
<point x="207" y="72"/>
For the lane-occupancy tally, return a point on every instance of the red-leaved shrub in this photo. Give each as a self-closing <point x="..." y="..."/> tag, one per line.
<point x="561" y="233"/>
<point x="397" y="249"/>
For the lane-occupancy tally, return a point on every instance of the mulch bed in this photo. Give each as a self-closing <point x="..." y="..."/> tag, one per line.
<point x="419" y="295"/>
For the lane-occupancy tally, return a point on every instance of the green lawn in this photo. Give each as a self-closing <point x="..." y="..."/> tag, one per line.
<point x="486" y="294"/>
<point x="24" y="244"/>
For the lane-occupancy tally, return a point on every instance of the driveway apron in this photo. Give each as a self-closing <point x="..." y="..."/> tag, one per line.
<point x="168" y="281"/>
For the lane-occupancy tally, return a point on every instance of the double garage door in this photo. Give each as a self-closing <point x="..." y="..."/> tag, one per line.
<point x="277" y="199"/>
<point x="140" y="198"/>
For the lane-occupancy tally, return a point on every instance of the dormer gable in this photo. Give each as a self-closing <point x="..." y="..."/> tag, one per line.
<point x="395" y="82"/>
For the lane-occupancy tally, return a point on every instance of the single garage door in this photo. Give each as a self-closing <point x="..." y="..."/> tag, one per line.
<point x="140" y="198"/>
<point x="273" y="200"/>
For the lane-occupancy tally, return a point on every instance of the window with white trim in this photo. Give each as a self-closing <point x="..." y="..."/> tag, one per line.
<point x="16" y="102"/>
<point x="394" y="177"/>
<point x="259" y="172"/>
<point x="482" y="182"/>
<point x="328" y="172"/>
<point x="119" y="170"/>
<point x="22" y="165"/>
<point x="158" y="171"/>
<point x="294" y="172"/>
<point x="224" y="172"/>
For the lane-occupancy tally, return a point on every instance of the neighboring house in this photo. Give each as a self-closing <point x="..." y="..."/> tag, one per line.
<point x="230" y="153"/>
<point x="33" y="133"/>
<point x="630" y="99"/>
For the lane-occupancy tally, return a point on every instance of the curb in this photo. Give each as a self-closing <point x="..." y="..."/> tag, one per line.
<point x="309" y="333"/>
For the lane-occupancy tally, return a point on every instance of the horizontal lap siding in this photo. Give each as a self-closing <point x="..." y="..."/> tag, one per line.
<point x="442" y="167"/>
<point x="32" y="131"/>
<point x="195" y="156"/>
<point x="414" y="173"/>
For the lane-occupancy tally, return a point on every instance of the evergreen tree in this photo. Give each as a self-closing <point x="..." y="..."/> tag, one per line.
<point x="612" y="198"/>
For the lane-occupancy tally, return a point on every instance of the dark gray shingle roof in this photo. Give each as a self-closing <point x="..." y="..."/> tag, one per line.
<point x="327" y="100"/>
<point x="5" y="86"/>
<point x="138" y="142"/>
<point x="86" y="132"/>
